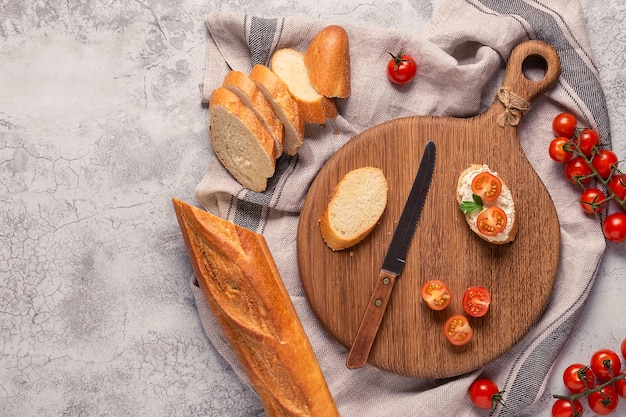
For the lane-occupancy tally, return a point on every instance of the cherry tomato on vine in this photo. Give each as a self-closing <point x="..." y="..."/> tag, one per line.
<point x="487" y="186"/>
<point x="457" y="330"/>
<point x="620" y="386"/>
<point x="604" y="162"/>
<point x="558" y="149"/>
<point x="484" y="393"/>
<point x="436" y="294"/>
<point x="614" y="227"/>
<point x="592" y="200"/>
<point x="563" y="408"/>
<point x="578" y="377"/>
<point x="401" y="68"/>
<point x="491" y="221"/>
<point x="624" y="348"/>
<point x="564" y="124"/>
<point x="577" y="170"/>
<point x="476" y="301"/>
<point x="602" y="360"/>
<point x="617" y="184"/>
<point x="586" y="139"/>
<point x="603" y="402"/>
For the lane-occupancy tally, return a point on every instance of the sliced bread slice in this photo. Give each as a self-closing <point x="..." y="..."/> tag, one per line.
<point x="240" y="141"/>
<point x="285" y="107"/>
<point x="288" y="64"/>
<point x="327" y="60"/>
<point x="247" y="91"/>
<point x="354" y="208"/>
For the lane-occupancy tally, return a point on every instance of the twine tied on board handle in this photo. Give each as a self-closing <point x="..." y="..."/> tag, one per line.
<point x="514" y="107"/>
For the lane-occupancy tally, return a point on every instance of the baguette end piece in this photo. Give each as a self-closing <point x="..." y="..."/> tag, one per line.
<point x="327" y="60"/>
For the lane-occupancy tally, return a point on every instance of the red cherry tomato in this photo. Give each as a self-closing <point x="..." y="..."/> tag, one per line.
<point x="577" y="171"/>
<point x="603" y="402"/>
<point x="491" y="221"/>
<point x="484" y="393"/>
<point x="620" y="386"/>
<point x="564" y="124"/>
<point x="476" y="301"/>
<point x="401" y="68"/>
<point x="624" y="348"/>
<point x="592" y="200"/>
<point x="558" y="149"/>
<point x="563" y="408"/>
<point x="605" y="364"/>
<point x="617" y="184"/>
<point x="436" y="294"/>
<point x="487" y="186"/>
<point x="457" y="330"/>
<point x="605" y="162"/>
<point x="614" y="227"/>
<point x="586" y="140"/>
<point x="578" y="377"/>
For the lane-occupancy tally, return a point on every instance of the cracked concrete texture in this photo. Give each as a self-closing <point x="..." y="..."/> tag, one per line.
<point x="100" y="125"/>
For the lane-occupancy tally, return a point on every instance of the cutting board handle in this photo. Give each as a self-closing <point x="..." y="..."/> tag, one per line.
<point x="515" y="79"/>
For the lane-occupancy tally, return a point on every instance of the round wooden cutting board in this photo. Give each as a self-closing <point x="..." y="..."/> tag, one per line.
<point x="520" y="274"/>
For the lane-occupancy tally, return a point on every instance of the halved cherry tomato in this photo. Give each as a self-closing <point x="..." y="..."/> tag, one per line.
<point x="605" y="364"/>
<point x="436" y="294"/>
<point x="491" y="221"/>
<point x="617" y="184"/>
<point x="558" y="149"/>
<point x="487" y="186"/>
<point x="578" y="377"/>
<point x="457" y="330"/>
<point x="564" y="124"/>
<point x="476" y="301"/>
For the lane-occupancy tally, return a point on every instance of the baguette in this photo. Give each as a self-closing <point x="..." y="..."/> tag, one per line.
<point x="241" y="143"/>
<point x="354" y="207"/>
<point x="327" y="60"/>
<point x="288" y="65"/>
<point x="241" y="284"/>
<point x="247" y="91"/>
<point x="504" y="201"/>
<point x="284" y="106"/>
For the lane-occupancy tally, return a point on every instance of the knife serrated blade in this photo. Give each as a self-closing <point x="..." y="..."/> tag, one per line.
<point x="394" y="261"/>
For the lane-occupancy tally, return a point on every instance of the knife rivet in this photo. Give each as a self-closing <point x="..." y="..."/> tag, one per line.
<point x="378" y="302"/>
<point x="386" y="280"/>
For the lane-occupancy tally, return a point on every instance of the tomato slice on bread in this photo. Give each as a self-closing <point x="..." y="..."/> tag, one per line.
<point x="457" y="330"/>
<point x="436" y="294"/>
<point x="487" y="186"/>
<point x="476" y="301"/>
<point x="491" y="221"/>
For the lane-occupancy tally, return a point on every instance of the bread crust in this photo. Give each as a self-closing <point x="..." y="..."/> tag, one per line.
<point x="513" y="230"/>
<point x="242" y="286"/>
<point x="288" y="65"/>
<point x="240" y="84"/>
<point x="285" y="107"/>
<point x="327" y="60"/>
<point x="225" y="104"/>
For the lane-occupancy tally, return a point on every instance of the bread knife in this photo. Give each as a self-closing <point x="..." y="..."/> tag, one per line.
<point x="394" y="261"/>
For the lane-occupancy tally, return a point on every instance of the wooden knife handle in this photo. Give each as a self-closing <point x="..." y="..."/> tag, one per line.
<point x="371" y="320"/>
